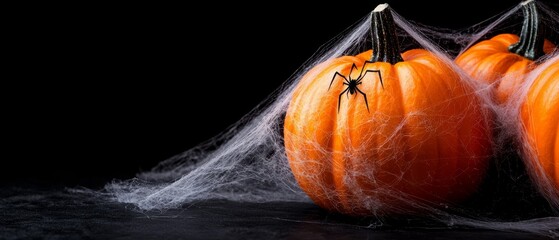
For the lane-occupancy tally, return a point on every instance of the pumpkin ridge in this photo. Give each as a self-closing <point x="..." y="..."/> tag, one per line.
<point x="506" y="40"/>
<point x="309" y="86"/>
<point x="447" y="159"/>
<point x="439" y="165"/>
<point x="340" y="163"/>
<point x="337" y="161"/>
<point x="487" y="71"/>
<point x="398" y="132"/>
<point x="358" y="185"/>
<point x="404" y="71"/>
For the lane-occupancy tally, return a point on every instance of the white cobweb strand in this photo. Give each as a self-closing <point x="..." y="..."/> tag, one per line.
<point x="250" y="165"/>
<point x="248" y="162"/>
<point x="470" y="40"/>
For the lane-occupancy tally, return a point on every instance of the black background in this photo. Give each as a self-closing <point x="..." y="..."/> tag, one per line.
<point x="103" y="91"/>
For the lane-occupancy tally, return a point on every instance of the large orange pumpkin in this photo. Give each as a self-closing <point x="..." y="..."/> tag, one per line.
<point x="539" y="114"/>
<point x="504" y="59"/>
<point x="370" y="147"/>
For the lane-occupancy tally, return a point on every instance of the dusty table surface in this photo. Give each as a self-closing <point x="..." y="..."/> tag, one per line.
<point x="28" y="213"/>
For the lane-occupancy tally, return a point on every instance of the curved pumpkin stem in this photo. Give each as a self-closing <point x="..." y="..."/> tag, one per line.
<point x="531" y="40"/>
<point x="385" y="41"/>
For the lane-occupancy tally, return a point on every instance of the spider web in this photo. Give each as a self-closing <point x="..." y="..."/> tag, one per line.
<point x="248" y="163"/>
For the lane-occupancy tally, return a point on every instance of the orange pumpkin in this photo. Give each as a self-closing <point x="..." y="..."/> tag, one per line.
<point x="539" y="114"/>
<point x="371" y="147"/>
<point x="504" y="59"/>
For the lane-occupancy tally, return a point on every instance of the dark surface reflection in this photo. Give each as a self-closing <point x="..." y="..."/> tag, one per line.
<point x="28" y="213"/>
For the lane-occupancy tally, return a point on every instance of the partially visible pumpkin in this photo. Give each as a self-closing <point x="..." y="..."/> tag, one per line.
<point x="420" y="136"/>
<point x="539" y="115"/>
<point x="504" y="59"/>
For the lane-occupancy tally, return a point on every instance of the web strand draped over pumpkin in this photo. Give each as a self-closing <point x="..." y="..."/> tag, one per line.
<point x="248" y="162"/>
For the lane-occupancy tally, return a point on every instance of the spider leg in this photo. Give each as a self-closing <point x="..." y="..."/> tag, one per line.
<point x="340" y="98"/>
<point x="367" y="62"/>
<point x="364" y="96"/>
<point x="334" y="77"/>
<point x="362" y="69"/>
<point x="368" y="71"/>
<point x="353" y="66"/>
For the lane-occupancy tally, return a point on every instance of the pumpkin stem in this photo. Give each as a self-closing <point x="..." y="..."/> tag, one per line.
<point x="383" y="31"/>
<point x="530" y="44"/>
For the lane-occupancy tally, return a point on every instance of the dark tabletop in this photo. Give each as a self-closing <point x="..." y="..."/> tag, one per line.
<point x="28" y="213"/>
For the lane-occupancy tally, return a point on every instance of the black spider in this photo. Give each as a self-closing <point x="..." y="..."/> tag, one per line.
<point x="353" y="83"/>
